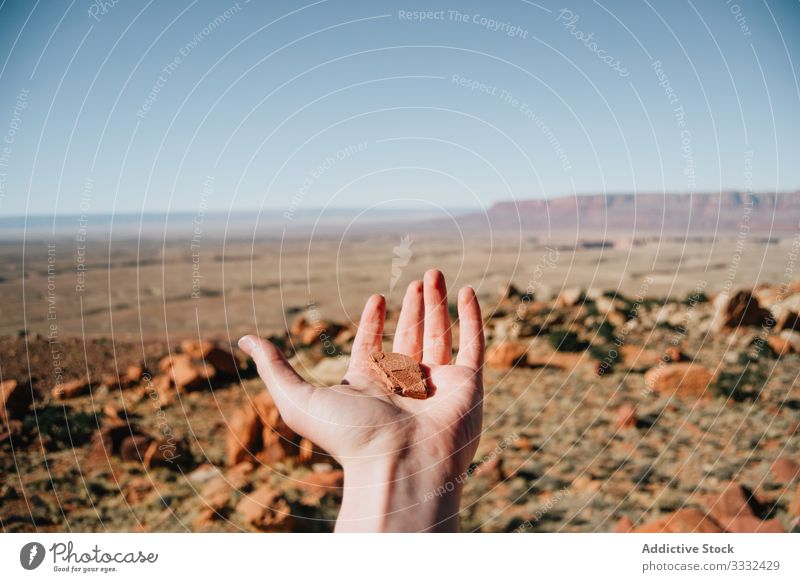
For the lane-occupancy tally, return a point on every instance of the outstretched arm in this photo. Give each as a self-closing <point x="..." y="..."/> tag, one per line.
<point x="404" y="460"/>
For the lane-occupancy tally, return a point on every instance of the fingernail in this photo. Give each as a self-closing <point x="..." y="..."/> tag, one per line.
<point x="247" y="343"/>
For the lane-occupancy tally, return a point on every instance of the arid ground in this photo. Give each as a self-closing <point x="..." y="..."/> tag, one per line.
<point x="648" y="384"/>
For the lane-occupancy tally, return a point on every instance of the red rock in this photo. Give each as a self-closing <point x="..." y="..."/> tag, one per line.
<point x="107" y="441"/>
<point x="788" y="320"/>
<point x="739" y="310"/>
<point x="794" y="505"/>
<point x="624" y="525"/>
<point x="298" y="326"/>
<point x="687" y="520"/>
<point x="266" y="510"/>
<point x="138" y="489"/>
<point x="189" y="375"/>
<point x="492" y="469"/>
<point x="162" y="390"/>
<point x="163" y="453"/>
<point x="71" y="389"/>
<point x="684" y="380"/>
<point x="258" y="429"/>
<point x="638" y="359"/>
<point x="15" y="400"/>
<point x="319" y="331"/>
<point x="400" y="374"/>
<point x="506" y="355"/>
<point x="223" y="361"/>
<point x="733" y="502"/>
<point x="752" y="524"/>
<point x="626" y="417"/>
<point x="779" y="345"/>
<point x="568" y="297"/>
<point x="785" y="470"/>
<point x="244" y="434"/>
<point x="216" y="493"/>
<point x="133" y="448"/>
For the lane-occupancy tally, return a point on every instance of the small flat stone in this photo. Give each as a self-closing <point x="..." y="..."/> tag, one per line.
<point x="400" y="374"/>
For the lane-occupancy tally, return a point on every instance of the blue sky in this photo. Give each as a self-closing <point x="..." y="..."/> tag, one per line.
<point x="139" y="106"/>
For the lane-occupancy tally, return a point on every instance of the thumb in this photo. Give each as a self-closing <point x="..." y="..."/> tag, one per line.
<point x="290" y="392"/>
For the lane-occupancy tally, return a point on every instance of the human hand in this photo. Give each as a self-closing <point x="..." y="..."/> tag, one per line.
<point x="402" y="457"/>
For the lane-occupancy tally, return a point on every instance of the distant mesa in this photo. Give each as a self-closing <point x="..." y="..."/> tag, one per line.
<point x="646" y="214"/>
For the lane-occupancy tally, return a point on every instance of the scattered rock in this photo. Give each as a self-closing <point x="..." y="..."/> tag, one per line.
<point x="794" y="504"/>
<point x="673" y="354"/>
<point x="624" y="525"/>
<point x="223" y="361"/>
<point x="684" y="380"/>
<point x="687" y="520"/>
<point x="266" y="510"/>
<point x="785" y="470"/>
<point x="15" y="400"/>
<point x="568" y="297"/>
<point x="257" y="429"/>
<point x="638" y="359"/>
<point x="506" y="355"/>
<point x="779" y="345"/>
<point x="71" y="389"/>
<point x="626" y="417"/>
<point x="738" y="310"/>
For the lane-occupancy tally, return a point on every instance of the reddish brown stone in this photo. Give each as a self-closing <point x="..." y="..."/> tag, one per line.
<point x="15" y="400"/>
<point x="506" y="355"/>
<point x="683" y="380"/>
<point x="400" y="374"/>
<point x="71" y="389"/>
<point x="626" y="417"/>
<point x="624" y="525"/>
<point x="687" y="520"/>
<point x="752" y="524"/>
<point x="739" y="310"/>
<point x="266" y="510"/>
<point x="785" y="470"/>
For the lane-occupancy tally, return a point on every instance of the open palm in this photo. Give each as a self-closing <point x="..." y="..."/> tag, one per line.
<point x="358" y="421"/>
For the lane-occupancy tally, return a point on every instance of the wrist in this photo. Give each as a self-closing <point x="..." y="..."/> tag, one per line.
<point x="400" y="494"/>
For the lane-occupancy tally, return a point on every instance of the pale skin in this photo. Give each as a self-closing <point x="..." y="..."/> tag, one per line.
<point x="404" y="459"/>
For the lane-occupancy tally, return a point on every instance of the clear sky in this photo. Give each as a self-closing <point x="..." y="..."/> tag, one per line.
<point x="134" y="106"/>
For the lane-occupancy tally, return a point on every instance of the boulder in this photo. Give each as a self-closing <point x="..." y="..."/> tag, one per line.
<point x="506" y="355"/>
<point x="257" y="429"/>
<point x="15" y="400"/>
<point x="626" y="417"/>
<point x="684" y="380"/>
<point x="686" y="520"/>
<point x="780" y="346"/>
<point x="266" y="510"/>
<point x="223" y="361"/>
<point x="738" y="310"/>
<point x="638" y="359"/>
<point x="188" y="374"/>
<point x="244" y="435"/>
<point x="71" y="389"/>
<point x="568" y="297"/>
<point x="624" y="525"/>
<point x="785" y="470"/>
